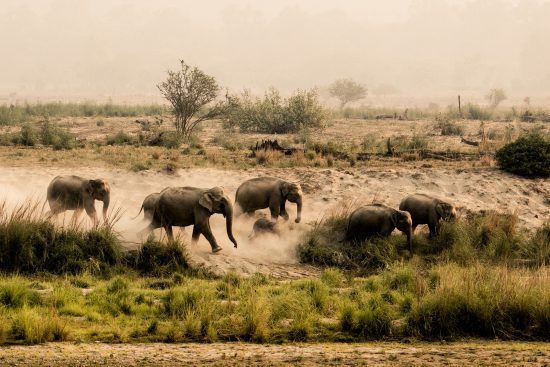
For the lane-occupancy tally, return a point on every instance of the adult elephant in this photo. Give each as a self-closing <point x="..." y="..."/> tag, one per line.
<point x="77" y="193"/>
<point x="148" y="206"/>
<point x="378" y="220"/>
<point x="269" y="192"/>
<point x="425" y="209"/>
<point x="185" y="206"/>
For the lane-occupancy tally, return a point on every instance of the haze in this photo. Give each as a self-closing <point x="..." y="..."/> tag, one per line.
<point x="417" y="49"/>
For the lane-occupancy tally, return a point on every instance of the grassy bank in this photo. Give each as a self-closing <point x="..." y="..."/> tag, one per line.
<point x="68" y="283"/>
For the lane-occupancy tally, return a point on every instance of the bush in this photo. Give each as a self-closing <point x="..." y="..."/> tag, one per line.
<point x="528" y="156"/>
<point x="274" y="114"/>
<point x="476" y="112"/>
<point x="120" y="138"/>
<point x="157" y="258"/>
<point x="449" y="127"/>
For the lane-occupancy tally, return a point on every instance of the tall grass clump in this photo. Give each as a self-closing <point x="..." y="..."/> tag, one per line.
<point x="158" y="258"/>
<point x="528" y="156"/>
<point x="30" y="243"/>
<point x="274" y="114"/>
<point x="483" y="301"/>
<point x="475" y="112"/>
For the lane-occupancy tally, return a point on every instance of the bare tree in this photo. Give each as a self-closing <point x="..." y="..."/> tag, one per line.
<point x="189" y="91"/>
<point x="495" y="96"/>
<point x="347" y="90"/>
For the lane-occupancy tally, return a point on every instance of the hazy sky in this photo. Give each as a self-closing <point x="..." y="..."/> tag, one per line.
<point x="119" y="48"/>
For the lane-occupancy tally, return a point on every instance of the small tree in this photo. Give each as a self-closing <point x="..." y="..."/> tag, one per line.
<point x="347" y="90"/>
<point x="189" y="91"/>
<point x="495" y="96"/>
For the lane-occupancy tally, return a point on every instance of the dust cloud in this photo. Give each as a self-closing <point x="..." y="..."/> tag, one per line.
<point x="405" y="51"/>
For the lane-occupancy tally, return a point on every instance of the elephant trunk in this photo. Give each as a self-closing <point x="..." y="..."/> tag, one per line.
<point x="229" y="222"/>
<point x="106" y="201"/>
<point x="298" y="210"/>
<point x="409" y="239"/>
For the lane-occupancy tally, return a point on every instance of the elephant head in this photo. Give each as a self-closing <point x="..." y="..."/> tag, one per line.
<point x="445" y="210"/>
<point x="216" y="200"/>
<point x="402" y="221"/>
<point x="293" y="193"/>
<point x="100" y="190"/>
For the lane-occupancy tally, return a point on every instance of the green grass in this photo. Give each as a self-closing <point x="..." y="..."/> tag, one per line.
<point x="10" y="115"/>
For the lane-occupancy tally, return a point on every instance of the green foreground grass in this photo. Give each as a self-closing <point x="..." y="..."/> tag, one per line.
<point x="67" y="283"/>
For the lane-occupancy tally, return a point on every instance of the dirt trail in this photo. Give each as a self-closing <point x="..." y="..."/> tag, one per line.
<point x="238" y="354"/>
<point x="323" y="188"/>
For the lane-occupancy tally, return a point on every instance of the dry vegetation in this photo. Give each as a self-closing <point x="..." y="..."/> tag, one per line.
<point x="484" y="276"/>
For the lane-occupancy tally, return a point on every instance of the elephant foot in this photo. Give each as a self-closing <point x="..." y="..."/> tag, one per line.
<point x="216" y="249"/>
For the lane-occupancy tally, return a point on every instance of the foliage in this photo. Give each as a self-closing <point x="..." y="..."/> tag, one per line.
<point x="274" y="114"/>
<point x="475" y="112"/>
<point x="14" y="114"/>
<point x="528" y="156"/>
<point x="189" y="91"/>
<point x="449" y="127"/>
<point x="495" y="97"/>
<point x="347" y="90"/>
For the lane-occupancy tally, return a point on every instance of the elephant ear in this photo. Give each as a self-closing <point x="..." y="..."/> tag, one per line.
<point x="285" y="189"/>
<point x="206" y="201"/>
<point x="394" y="218"/>
<point x="209" y="197"/>
<point x="440" y="209"/>
<point x="89" y="187"/>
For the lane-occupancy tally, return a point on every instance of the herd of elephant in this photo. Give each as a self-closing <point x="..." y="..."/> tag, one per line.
<point x="185" y="206"/>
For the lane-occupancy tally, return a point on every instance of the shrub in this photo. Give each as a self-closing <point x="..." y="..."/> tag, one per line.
<point x="476" y="112"/>
<point x="274" y="114"/>
<point x="120" y="138"/>
<point x="56" y="137"/>
<point x="528" y="156"/>
<point x="449" y="127"/>
<point x="157" y="258"/>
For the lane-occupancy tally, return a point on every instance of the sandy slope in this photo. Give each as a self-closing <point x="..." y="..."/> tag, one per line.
<point x="324" y="188"/>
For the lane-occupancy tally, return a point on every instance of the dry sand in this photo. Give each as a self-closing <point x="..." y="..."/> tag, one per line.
<point x="239" y="354"/>
<point x="324" y="188"/>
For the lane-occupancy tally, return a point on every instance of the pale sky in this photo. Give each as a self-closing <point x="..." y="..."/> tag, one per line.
<point x="121" y="48"/>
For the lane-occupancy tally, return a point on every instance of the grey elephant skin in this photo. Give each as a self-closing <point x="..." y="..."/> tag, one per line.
<point x="378" y="220"/>
<point x="185" y="206"/>
<point x="269" y="192"/>
<point x="77" y="193"/>
<point x="148" y="206"/>
<point x="264" y="226"/>
<point x="425" y="209"/>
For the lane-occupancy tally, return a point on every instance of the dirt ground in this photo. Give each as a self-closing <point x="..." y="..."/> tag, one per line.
<point x="239" y="354"/>
<point x="324" y="189"/>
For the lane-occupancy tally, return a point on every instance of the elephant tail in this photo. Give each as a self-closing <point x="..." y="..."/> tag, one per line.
<point x="140" y="210"/>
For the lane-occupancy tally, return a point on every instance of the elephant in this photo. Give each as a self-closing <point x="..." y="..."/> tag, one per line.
<point x="269" y="192"/>
<point x="148" y="206"/>
<point x="428" y="210"/>
<point x="264" y="226"/>
<point x="77" y="193"/>
<point x="378" y="219"/>
<point x="184" y="206"/>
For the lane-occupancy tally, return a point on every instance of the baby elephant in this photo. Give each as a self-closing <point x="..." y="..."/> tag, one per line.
<point x="77" y="193"/>
<point x="378" y="220"/>
<point x="264" y="226"/>
<point x="428" y="210"/>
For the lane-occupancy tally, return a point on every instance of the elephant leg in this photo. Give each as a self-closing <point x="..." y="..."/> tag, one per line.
<point x="282" y="210"/>
<point x="169" y="233"/>
<point x="207" y="233"/>
<point x="196" y="234"/>
<point x="275" y="210"/>
<point x="76" y="215"/>
<point x="433" y="229"/>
